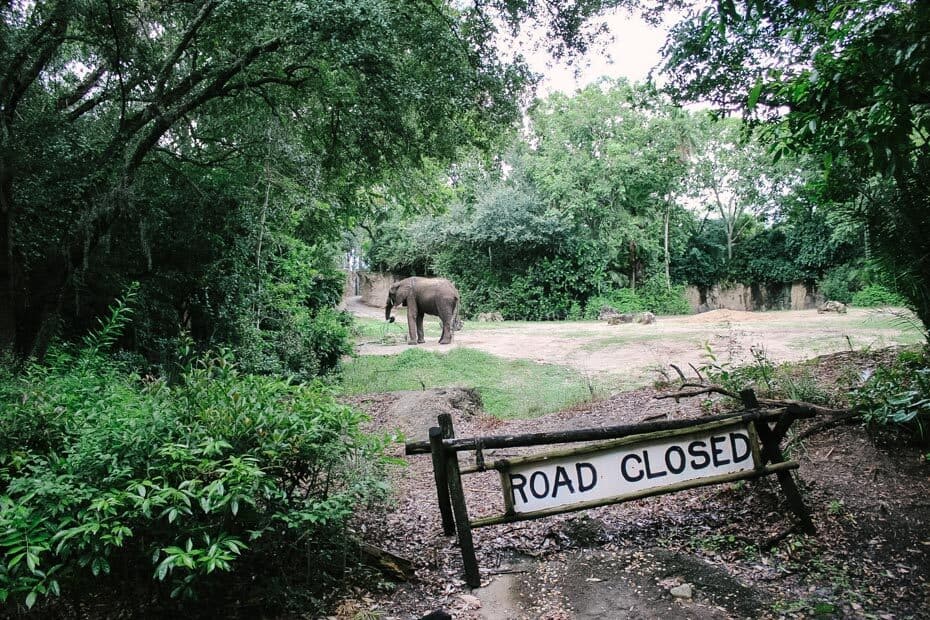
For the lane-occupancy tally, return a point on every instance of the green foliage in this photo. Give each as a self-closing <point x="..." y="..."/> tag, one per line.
<point x="654" y="297"/>
<point x="898" y="395"/>
<point x="105" y="475"/>
<point x="213" y="150"/>
<point x="875" y="295"/>
<point x="840" y="283"/>
<point x="851" y="76"/>
<point x="508" y="388"/>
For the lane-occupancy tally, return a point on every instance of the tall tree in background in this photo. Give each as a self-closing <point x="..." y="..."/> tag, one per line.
<point x="734" y="179"/>
<point x="848" y="83"/>
<point x="612" y="157"/>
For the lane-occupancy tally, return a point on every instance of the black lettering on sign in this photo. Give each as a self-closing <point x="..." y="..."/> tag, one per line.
<point x="537" y="476"/>
<point x="670" y="460"/>
<point x="716" y="439"/>
<point x="626" y="473"/>
<point x="737" y="457"/>
<point x="582" y="487"/>
<point x="514" y="486"/>
<point x="698" y="450"/>
<point x="561" y="480"/>
<point x="649" y="473"/>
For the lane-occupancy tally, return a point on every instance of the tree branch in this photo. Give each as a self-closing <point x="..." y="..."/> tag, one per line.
<point x="183" y="45"/>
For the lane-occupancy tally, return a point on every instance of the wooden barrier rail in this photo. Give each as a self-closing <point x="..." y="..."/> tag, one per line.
<point x="686" y="453"/>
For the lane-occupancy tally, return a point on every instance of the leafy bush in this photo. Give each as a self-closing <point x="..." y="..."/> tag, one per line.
<point x="875" y="295"/>
<point x="653" y="296"/>
<point x="898" y="395"/>
<point x="103" y="472"/>
<point x="841" y="283"/>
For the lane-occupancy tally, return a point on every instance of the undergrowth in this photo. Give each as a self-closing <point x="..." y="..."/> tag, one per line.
<point x="111" y="482"/>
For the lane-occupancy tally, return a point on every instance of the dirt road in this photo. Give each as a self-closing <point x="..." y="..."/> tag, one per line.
<point x="632" y="353"/>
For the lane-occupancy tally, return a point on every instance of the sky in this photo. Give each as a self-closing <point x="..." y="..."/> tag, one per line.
<point x="630" y="50"/>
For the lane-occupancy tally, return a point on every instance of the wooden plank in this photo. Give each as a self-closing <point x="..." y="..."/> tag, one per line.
<point x="688" y="484"/>
<point x="441" y="477"/>
<point x="615" y="443"/>
<point x="772" y="452"/>
<point x="590" y="434"/>
<point x="459" y="507"/>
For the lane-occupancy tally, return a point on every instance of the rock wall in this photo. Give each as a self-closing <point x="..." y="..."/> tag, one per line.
<point x="373" y="287"/>
<point x="798" y="296"/>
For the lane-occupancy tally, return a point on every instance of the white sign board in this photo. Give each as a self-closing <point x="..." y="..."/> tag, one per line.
<point x="614" y="472"/>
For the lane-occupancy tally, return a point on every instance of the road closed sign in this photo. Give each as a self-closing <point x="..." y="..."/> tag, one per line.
<point x="619" y="470"/>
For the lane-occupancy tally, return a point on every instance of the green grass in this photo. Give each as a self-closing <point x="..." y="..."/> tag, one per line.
<point x="367" y="329"/>
<point x="508" y="388"/>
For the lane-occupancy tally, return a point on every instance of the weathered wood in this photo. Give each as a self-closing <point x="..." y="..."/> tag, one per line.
<point x="674" y="488"/>
<point x="459" y="507"/>
<point x="590" y="434"/>
<point x="771" y="452"/>
<point x="607" y="445"/>
<point x="442" y="481"/>
<point x="394" y="566"/>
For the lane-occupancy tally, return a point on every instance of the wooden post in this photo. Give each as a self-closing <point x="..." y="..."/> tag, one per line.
<point x="442" y="480"/>
<point x="771" y="453"/>
<point x="459" y="508"/>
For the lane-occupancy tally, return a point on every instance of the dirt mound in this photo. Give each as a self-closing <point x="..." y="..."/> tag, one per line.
<point x="413" y="413"/>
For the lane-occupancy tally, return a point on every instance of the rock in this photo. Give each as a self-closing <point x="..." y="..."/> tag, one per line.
<point x="683" y="591"/>
<point x="626" y="318"/>
<point x="490" y="317"/>
<point x="607" y="313"/>
<point x="832" y="306"/>
<point x="646" y="318"/>
<point x="614" y="320"/>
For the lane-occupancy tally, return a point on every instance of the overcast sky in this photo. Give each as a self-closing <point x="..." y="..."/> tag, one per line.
<point x="631" y="51"/>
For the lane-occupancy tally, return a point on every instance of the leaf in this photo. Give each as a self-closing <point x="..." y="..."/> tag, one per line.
<point x="31" y="599"/>
<point x="754" y="94"/>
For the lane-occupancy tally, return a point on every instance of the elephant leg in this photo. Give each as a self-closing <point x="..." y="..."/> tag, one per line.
<point x="420" y="337"/>
<point x="446" y="337"/>
<point x="411" y="327"/>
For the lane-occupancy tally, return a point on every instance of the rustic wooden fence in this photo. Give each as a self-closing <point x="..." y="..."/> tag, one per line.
<point x="628" y="462"/>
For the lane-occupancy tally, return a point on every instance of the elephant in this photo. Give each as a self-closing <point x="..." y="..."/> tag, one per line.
<point x="423" y="296"/>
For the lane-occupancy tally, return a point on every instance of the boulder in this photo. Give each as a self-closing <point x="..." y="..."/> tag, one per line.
<point x="646" y="318"/>
<point x="832" y="306"/>
<point x="606" y="312"/>
<point x="490" y="317"/>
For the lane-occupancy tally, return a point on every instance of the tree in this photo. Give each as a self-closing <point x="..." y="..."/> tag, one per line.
<point x="109" y="108"/>
<point x="733" y="177"/>
<point x="612" y="157"/>
<point x="847" y="82"/>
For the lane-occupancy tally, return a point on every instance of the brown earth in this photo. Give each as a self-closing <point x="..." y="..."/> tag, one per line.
<point x="736" y="545"/>
<point x="634" y="352"/>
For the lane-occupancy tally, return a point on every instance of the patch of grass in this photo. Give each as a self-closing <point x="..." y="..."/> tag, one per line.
<point x="508" y="388"/>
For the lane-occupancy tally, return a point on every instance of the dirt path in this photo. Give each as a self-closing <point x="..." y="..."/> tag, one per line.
<point x="725" y="551"/>
<point x="633" y="352"/>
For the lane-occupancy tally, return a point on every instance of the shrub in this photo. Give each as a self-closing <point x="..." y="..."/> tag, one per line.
<point x="653" y="296"/>
<point x="875" y="295"/>
<point x="898" y="395"/>
<point x="102" y="471"/>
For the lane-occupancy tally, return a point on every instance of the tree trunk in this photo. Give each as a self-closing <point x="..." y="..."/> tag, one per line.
<point x="668" y="271"/>
<point x="7" y="289"/>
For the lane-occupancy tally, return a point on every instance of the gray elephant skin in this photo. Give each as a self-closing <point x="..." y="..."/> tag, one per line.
<point x="423" y="296"/>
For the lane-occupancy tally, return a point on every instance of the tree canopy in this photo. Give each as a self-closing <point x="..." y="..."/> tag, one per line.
<point x="175" y="142"/>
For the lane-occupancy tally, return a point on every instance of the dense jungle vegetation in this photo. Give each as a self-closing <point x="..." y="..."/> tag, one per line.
<point x="178" y="182"/>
